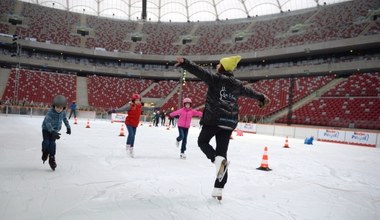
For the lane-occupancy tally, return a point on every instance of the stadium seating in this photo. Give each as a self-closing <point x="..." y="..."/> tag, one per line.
<point x="278" y="91"/>
<point x="113" y="92"/>
<point x="109" y="34"/>
<point x="325" y="23"/>
<point x="161" y="89"/>
<point x="352" y="103"/>
<point x="40" y="87"/>
<point x="195" y="90"/>
<point x="49" y="25"/>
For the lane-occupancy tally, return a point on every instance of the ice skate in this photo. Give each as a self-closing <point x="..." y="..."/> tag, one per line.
<point x="217" y="193"/>
<point x="127" y="147"/>
<point x="130" y="152"/>
<point x="176" y="143"/>
<point x="221" y="165"/>
<point x="183" y="156"/>
<point x="52" y="163"/>
<point x="45" y="155"/>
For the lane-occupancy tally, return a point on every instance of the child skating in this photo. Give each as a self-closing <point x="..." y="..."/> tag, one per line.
<point x="132" y="120"/>
<point x="185" y="115"/>
<point x="50" y="129"/>
<point x="220" y="115"/>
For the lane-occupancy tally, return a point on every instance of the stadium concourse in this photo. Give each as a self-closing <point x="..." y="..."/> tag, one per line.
<point x="95" y="179"/>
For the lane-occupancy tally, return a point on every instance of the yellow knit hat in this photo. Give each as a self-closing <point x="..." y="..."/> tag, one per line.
<point x="230" y="63"/>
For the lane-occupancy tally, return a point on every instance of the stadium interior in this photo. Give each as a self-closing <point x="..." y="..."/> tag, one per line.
<point x="319" y="66"/>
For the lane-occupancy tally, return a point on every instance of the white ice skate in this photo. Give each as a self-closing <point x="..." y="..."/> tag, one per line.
<point x="176" y="143"/>
<point x="221" y="165"/>
<point x="127" y="146"/>
<point x="131" y="154"/>
<point x="183" y="156"/>
<point x="217" y="193"/>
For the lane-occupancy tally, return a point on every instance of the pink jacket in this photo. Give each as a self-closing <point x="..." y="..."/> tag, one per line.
<point x="185" y="116"/>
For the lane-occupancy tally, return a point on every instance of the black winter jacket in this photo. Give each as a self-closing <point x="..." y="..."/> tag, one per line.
<point x="221" y="108"/>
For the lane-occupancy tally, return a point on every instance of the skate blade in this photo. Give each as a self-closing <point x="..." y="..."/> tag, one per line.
<point x="223" y="170"/>
<point x="218" y="197"/>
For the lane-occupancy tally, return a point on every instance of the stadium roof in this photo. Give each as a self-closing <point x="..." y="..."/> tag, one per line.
<point x="182" y="10"/>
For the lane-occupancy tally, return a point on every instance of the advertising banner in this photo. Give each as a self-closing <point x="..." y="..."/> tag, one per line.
<point x="247" y="127"/>
<point x="331" y="135"/>
<point x="118" y="117"/>
<point x="361" y="138"/>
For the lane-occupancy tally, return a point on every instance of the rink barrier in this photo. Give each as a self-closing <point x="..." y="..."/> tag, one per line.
<point x="40" y="111"/>
<point x="342" y="136"/>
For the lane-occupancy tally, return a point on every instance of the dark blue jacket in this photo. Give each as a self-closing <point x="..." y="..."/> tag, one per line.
<point x="73" y="106"/>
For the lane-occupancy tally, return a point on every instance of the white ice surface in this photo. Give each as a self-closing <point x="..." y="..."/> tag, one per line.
<point x="95" y="179"/>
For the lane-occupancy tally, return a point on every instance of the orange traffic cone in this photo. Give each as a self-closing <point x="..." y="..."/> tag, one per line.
<point x="264" y="164"/>
<point x="75" y="121"/>
<point x="286" y="143"/>
<point x="122" y="131"/>
<point x="88" y="123"/>
<point x="239" y="133"/>
<point x="167" y="127"/>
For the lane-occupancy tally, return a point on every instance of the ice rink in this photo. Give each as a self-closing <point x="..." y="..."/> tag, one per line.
<point x="95" y="179"/>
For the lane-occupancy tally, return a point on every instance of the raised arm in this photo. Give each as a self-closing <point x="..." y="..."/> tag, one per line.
<point x="249" y="92"/>
<point x="196" y="70"/>
<point x="124" y="108"/>
<point x="175" y="113"/>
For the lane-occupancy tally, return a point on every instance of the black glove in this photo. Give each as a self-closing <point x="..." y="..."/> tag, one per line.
<point x="265" y="102"/>
<point x="111" y="111"/>
<point x="55" y="135"/>
<point x="68" y="131"/>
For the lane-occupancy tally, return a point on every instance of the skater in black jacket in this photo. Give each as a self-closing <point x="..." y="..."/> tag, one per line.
<point x="220" y="114"/>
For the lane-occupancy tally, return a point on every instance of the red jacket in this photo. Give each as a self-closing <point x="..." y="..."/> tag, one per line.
<point x="133" y="117"/>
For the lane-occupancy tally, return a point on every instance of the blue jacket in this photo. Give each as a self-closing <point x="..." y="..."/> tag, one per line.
<point x="73" y="106"/>
<point x="53" y="121"/>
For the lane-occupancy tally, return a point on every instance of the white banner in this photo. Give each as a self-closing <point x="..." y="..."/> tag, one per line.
<point x="331" y="135"/>
<point x="247" y="127"/>
<point x="361" y="138"/>
<point x="118" y="117"/>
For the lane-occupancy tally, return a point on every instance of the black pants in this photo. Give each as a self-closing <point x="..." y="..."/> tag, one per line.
<point x="163" y="121"/>
<point x="48" y="143"/>
<point x="156" y="122"/>
<point x="171" y="121"/>
<point x="222" y="138"/>
<point x="73" y="112"/>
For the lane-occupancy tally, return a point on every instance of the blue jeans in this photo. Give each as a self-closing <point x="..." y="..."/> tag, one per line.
<point x="48" y="143"/>
<point x="131" y="135"/>
<point x="183" y="137"/>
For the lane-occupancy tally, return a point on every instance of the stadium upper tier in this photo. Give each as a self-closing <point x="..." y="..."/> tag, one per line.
<point x="325" y="23"/>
